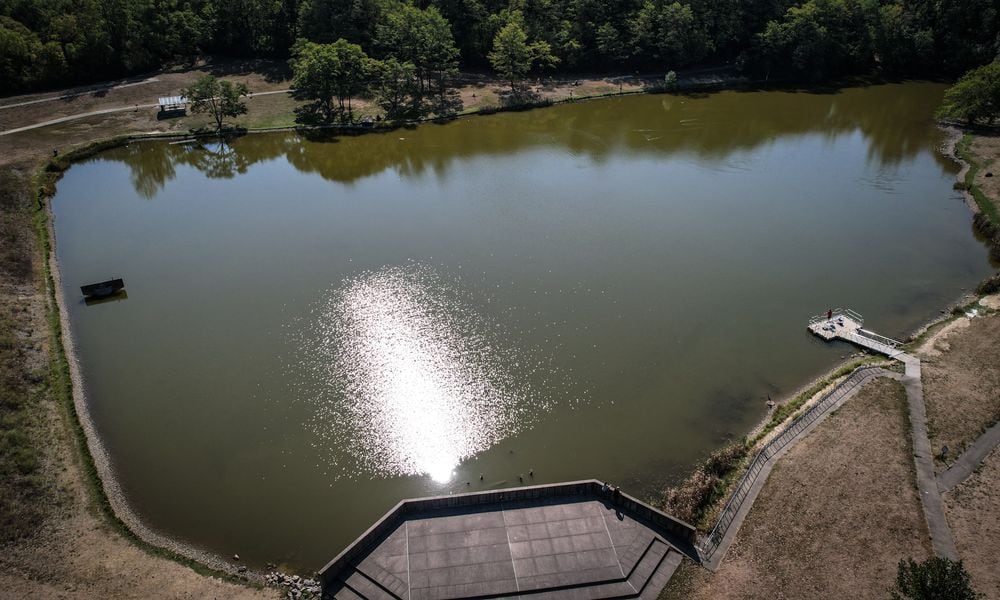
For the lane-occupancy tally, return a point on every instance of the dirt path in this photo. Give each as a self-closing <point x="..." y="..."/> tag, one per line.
<point x="105" y="111"/>
<point x="96" y="90"/>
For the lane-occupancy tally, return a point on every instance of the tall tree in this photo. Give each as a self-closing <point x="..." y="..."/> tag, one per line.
<point x="513" y="57"/>
<point x="322" y="72"/>
<point x="220" y="99"/>
<point x="326" y="21"/>
<point x="395" y="86"/>
<point x="668" y="33"/>
<point x="422" y="38"/>
<point x="976" y="96"/>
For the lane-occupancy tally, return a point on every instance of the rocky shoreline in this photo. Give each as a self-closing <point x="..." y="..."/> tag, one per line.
<point x="298" y="588"/>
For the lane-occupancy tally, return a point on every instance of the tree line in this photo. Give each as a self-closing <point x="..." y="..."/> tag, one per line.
<point x="57" y="42"/>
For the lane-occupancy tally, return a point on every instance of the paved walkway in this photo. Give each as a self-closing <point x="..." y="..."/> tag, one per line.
<point x="923" y="458"/>
<point x="970" y="460"/>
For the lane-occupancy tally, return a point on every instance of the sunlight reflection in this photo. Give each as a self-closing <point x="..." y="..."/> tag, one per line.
<point x="419" y="383"/>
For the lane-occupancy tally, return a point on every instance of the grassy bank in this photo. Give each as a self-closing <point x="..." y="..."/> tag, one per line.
<point x="24" y="493"/>
<point x="699" y="498"/>
<point x="57" y="377"/>
<point x="986" y="205"/>
<point x="987" y="220"/>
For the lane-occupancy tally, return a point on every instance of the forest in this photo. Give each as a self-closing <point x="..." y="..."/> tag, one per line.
<point x="45" y="43"/>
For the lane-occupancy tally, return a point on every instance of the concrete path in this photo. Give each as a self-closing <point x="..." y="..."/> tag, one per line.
<point x="923" y="458"/>
<point x="970" y="460"/>
<point x="105" y="111"/>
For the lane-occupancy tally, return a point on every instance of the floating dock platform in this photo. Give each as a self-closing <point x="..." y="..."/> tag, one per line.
<point x="848" y="325"/>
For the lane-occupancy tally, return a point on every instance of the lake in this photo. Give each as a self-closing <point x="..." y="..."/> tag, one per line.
<point x="319" y="326"/>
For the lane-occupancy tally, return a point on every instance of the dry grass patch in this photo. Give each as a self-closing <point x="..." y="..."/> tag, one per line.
<point x="836" y="515"/>
<point x="987" y="148"/>
<point x="961" y="376"/>
<point x="973" y="510"/>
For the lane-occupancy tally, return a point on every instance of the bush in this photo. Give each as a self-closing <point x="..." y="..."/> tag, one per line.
<point x="989" y="286"/>
<point x="934" y="579"/>
<point x="691" y="500"/>
<point x="725" y="459"/>
<point x="688" y="501"/>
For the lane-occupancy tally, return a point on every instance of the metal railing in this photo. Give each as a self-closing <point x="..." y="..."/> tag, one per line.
<point x="855" y="316"/>
<point x="740" y="494"/>
<point x="879" y="338"/>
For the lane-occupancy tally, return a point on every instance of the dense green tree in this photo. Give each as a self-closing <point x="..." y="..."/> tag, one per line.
<point x="162" y="30"/>
<point x="325" y="21"/>
<point x="220" y="99"/>
<point x="395" y="86"/>
<point x="19" y="47"/>
<point x="667" y="33"/>
<point x="322" y="72"/>
<point x="471" y="26"/>
<point x="976" y="96"/>
<point x="610" y="44"/>
<point x="933" y="579"/>
<point x="821" y="38"/>
<point x="422" y="38"/>
<point x="902" y="43"/>
<point x="61" y="42"/>
<point x="513" y="57"/>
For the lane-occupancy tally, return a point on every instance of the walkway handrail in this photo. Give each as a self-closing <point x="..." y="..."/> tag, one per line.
<point x="879" y="338"/>
<point x="746" y="483"/>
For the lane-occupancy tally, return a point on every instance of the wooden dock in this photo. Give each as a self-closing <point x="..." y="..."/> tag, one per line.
<point x="847" y="325"/>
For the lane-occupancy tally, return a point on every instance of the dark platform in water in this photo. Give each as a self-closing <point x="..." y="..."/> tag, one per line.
<point x="103" y="289"/>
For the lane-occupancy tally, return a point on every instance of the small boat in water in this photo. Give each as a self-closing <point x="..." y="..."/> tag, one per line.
<point x="103" y="289"/>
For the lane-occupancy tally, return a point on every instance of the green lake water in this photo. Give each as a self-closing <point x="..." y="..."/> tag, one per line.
<point x="318" y="327"/>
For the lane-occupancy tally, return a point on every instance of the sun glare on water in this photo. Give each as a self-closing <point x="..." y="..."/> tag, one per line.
<point x="415" y="380"/>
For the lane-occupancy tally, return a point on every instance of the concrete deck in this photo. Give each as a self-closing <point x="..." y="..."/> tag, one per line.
<point x="578" y="544"/>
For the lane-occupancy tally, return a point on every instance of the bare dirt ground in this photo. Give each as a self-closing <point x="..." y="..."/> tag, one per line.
<point x="961" y="376"/>
<point x="973" y="510"/>
<point x="836" y="515"/>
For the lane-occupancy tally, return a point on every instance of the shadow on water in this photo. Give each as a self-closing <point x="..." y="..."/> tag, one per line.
<point x="892" y="118"/>
<point x="116" y="297"/>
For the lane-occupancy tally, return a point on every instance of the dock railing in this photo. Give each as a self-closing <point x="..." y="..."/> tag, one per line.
<point x="879" y="338"/>
<point x="855" y="316"/>
<point x="741" y="493"/>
